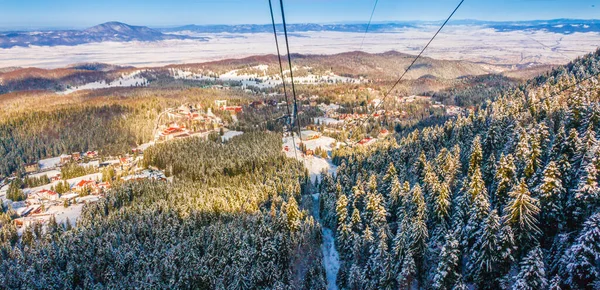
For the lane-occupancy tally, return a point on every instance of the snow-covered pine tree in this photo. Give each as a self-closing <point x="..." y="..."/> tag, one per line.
<point x="505" y="179"/>
<point x="579" y="265"/>
<point x="448" y="267"/>
<point x="521" y="213"/>
<point x="532" y="273"/>
<point x="552" y="201"/>
<point x="587" y="196"/>
<point x="484" y="255"/>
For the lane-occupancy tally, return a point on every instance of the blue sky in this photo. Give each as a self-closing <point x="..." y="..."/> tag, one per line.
<point x="159" y="13"/>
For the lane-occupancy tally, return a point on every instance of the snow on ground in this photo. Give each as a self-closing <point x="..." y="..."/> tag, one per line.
<point x="45" y="173"/>
<point x="260" y="81"/>
<point x="126" y="80"/>
<point x="314" y="164"/>
<point x="327" y="121"/>
<point x="145" y="146"/>
<point x="230" y="134"/>
<point x="246" y="80"/>
<point x="61" y="213"/>
<point x="72" y="182"/>
<point x="3" y="191"/>
<point x="331" y="258"/>
<point x="50" y="163"/>
<point x="464" y="42"/>
<point x="323" y="142"/>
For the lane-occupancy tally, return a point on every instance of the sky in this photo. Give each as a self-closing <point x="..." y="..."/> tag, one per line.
<point x="24" y="14"/>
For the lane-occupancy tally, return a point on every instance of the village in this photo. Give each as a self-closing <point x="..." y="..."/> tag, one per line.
<point x="49" y="193"/>
<point x="60" y="186"/>
<point x="88" y="177"/>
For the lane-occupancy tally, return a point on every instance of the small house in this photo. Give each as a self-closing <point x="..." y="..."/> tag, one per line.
<point x="32" y="167"/>
<point x="48" y="194"/>
<point x="76" y="156"/>
<point x="65" y="159"/>
<point x="85" y="184"/>
<point x="309" y="135"/>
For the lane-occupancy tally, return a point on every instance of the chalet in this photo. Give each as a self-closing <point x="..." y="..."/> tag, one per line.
<point x="384" y="132"/>
<point x="172" y="132"/>
<point x="310" y="152"/>
<point x="65" y="159"/>
<point x="49" y="163"/>
<point x="91" y="154"/>
<point x="193" y="115"/>
<point x="25" y="211"/>
<point x="309" y="135"/>
<point x="233" y="109"/>
<point x="33" y="198"/>
<point x="366" y="141"/>
<point x="76" y="156"/>
<point x="85" y="184"/>
<point x="32" y="167"/>
<point x="26" y="222"/>
<point x="48" y="194"/>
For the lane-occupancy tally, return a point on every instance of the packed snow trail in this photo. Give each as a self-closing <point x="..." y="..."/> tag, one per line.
<point x="315" y="165"/>
<point x="331" y="259"/>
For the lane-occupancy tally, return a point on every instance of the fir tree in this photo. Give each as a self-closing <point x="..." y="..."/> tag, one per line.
<point x="552" y="196"/>
<point x="505" y="179"/>
<point x="587" y="195"/>
<point x="448" y="268"/>
<point x="579" y="265"/>
<point x="521" y="214"/>
<point x="532" y="273"/>
<point x="484" y="257"/>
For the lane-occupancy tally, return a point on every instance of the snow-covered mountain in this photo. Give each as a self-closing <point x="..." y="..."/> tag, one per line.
<point x="110" y="31"/>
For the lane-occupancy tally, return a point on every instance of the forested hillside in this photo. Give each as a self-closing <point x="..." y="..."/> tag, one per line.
<point x="113" y="129"/>
<point x="111" y="122"/>
<point x="506" y="197"/>
<point x="237" y="231"/>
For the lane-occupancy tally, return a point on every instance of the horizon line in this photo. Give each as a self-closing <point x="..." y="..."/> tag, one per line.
<point x="5" y="27"/>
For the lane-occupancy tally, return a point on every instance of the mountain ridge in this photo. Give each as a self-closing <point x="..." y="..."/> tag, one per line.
<point x="109" y="31"/>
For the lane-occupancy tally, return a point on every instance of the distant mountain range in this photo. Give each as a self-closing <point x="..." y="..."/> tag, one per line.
<point x="110" y="31"/>
<point x="120" y="32"/>
<point x="563" y="26"/>
<point x="299" y="27"/>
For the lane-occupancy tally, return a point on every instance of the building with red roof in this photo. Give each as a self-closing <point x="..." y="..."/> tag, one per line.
<point x="48" y="194"/>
